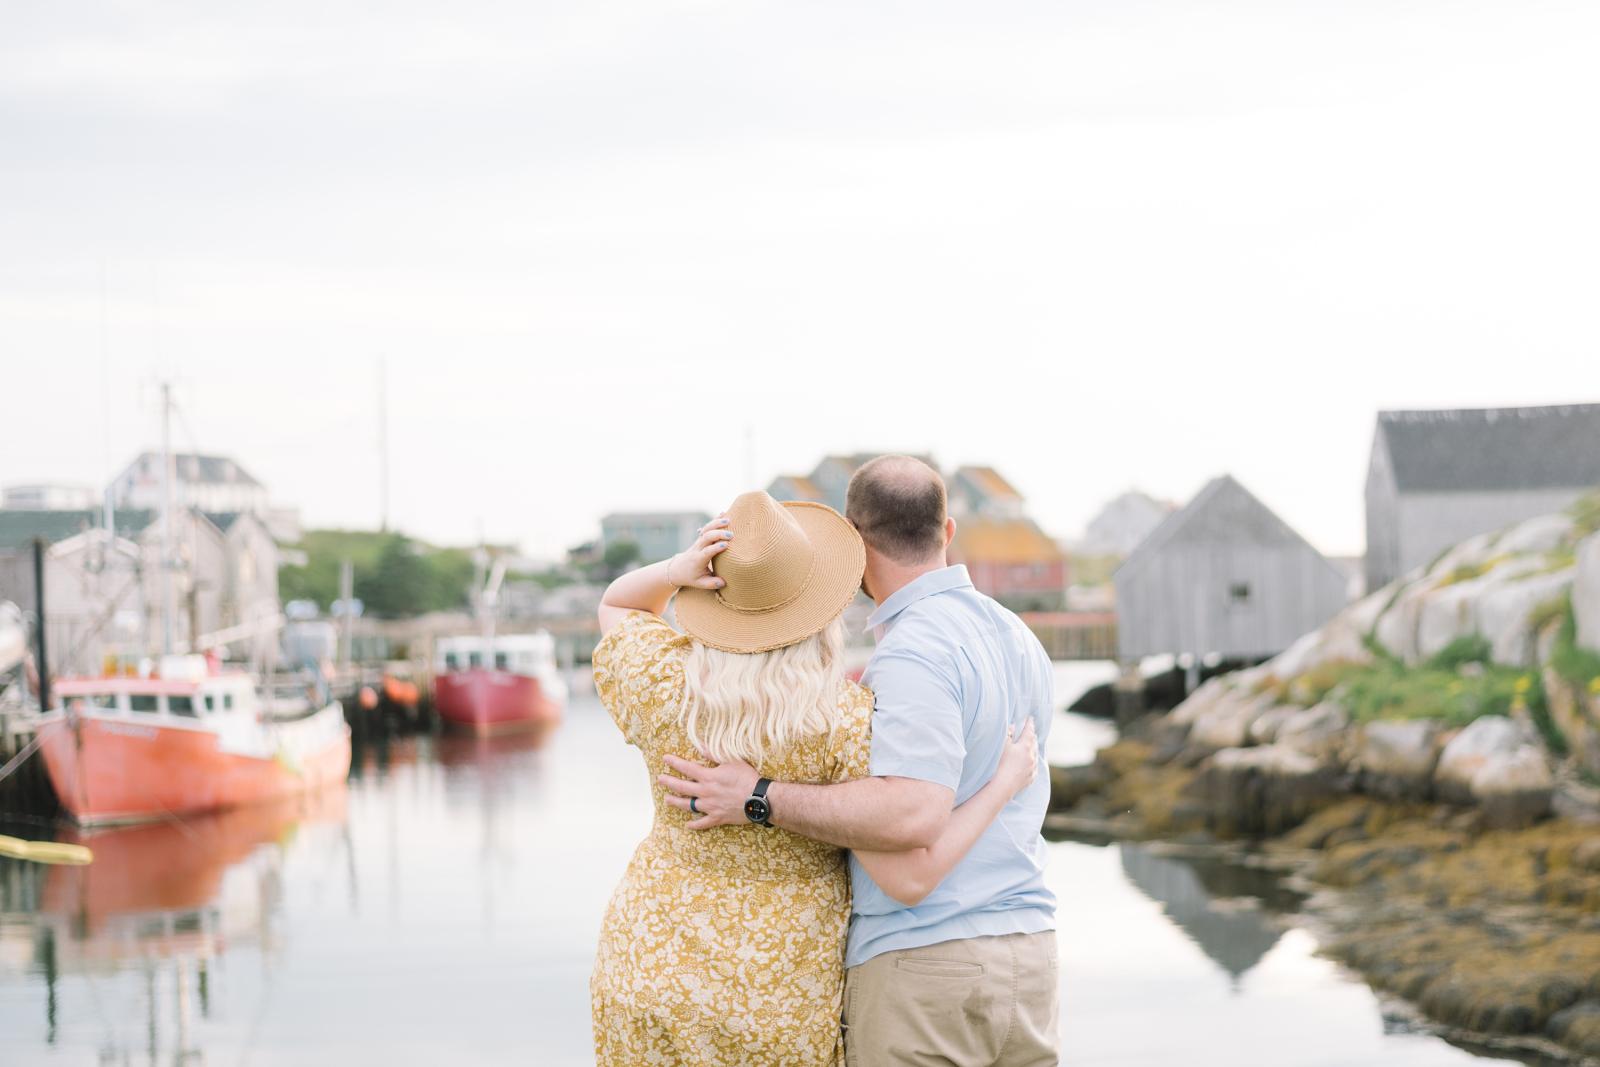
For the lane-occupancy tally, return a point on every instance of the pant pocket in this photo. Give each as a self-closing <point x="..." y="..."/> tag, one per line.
<point x="939" y="968"/>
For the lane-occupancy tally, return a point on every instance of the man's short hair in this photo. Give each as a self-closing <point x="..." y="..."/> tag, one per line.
<point x="898" y="504"/>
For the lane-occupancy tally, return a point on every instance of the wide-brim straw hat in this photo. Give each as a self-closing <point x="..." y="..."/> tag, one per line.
<point x="790" y="570"/>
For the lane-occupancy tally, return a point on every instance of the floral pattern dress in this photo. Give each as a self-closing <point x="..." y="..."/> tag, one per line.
<point x="721" y="946"/>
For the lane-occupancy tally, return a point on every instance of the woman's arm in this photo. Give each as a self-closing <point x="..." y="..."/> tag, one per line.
<point x="651" y="588"/>
<point x="910" y="876"/>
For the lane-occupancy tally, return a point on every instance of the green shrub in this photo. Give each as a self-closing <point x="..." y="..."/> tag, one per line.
<point x="1585" y="514"/>
<point x="1578" y="666"/>
<point x="1531" y="696"/>
<point x="1313" y="686"/>
<point x="1469" y="648"/>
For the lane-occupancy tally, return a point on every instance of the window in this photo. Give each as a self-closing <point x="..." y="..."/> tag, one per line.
<point x="475" y="659"/>
<point x="1239" y="594"/>
<point x="181" y="706"/>
<point x="452" y="662"/>
<point x="227" y="701"/>
<point x="500" y="660"/>
<point x="141" y="702"/>
<point x="207" y="703"/>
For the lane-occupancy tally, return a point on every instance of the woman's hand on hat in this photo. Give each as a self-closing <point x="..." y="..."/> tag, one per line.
<point x="692" y="566"/>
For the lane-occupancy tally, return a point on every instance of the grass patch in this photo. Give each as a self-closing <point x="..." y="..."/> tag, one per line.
<point x="1469" y="648"/>
<point x="1386" y="690"/>
<point x="1313" y="686"/>
<point x="1544" y="614"/>
<point x="1466" y="572"/>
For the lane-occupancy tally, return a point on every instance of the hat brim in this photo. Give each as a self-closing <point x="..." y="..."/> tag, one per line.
<point x="841" y="558"/>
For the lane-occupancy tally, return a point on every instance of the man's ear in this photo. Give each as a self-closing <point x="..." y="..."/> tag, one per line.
<point x="949" y="530"/>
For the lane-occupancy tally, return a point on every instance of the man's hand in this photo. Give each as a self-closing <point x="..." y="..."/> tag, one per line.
<point x="718" y="792"/>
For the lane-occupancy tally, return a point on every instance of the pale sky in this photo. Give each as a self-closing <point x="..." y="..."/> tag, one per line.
<point x="604" y="245"/>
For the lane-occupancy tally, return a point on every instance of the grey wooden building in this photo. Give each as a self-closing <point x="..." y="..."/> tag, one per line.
<point x="1223" y="576"/>
<point x="1436" y="478"/>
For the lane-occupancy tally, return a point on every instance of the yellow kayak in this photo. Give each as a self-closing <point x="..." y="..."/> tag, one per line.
<point x="44" y="851"/>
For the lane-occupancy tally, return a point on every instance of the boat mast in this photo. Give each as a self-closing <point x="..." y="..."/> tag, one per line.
<point x="167" y="473"/>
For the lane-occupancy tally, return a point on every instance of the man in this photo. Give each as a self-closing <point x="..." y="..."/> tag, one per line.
<point x="968" y="975"/>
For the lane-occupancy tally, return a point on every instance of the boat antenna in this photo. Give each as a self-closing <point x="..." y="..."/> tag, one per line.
<point x="168" y="473"/>
<point x="383" y="446"/>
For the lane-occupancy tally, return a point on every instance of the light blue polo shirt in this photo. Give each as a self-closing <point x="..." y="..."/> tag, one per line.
<point x="951" y="670"/>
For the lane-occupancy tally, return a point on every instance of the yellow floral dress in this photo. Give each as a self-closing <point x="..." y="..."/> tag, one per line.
<point x="721" y="946"/>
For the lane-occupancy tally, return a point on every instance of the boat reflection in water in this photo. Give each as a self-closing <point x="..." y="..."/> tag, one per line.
<point x="167" y="901"/>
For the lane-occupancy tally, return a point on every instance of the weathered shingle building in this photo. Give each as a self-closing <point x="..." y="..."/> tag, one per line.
<point x="1225" y="576"/>
<point x="1437" y="478"/>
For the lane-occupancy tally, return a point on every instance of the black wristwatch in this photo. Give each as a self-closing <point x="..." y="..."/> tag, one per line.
<point x="757" y="809"/>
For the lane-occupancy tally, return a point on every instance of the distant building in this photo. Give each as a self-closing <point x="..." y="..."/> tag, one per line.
<point x="40" y="497"/>
<point x="982" y="491"/>
<point x="1437" y="478"/>
<point x="104" y="593"/>
<point x="1223" y="576"/>
<point x="209" y="483"/>
<point x="828" y="480"/>
<point x="1012" y="560"/>
<point x="1122" y="523"/>
<point x="658" y="534"/>
<point x="1006" y="553"/>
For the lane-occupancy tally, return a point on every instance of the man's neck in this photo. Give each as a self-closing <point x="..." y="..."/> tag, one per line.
<point x="892" y="577"/>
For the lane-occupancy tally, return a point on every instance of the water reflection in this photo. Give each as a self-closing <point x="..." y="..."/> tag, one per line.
<point x="445" y="910"/>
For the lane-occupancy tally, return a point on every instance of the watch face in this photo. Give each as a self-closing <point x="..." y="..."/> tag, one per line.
<point x="755" y="809"/>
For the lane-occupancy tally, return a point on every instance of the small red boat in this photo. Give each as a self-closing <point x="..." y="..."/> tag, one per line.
<point x="489" y="685"/>
<point x="121" y="749"/>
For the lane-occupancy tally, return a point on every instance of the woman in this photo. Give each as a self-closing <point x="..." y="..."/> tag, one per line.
<point x="725" y="946"/>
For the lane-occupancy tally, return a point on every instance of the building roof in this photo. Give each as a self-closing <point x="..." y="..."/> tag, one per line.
<point x="198" y="468"/>
<point x="1004" y="541"/>
<point x="1222" y="512"/>
<point x="1491" y="449"/>
<point x="990" y="482"/>
<point x="18" y="527"/>
<point x="803" y="487"/>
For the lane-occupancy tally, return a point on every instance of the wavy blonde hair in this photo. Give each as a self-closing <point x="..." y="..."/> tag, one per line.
<point x="745" y="705"/>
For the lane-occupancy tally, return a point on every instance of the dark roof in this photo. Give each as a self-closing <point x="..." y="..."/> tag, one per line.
<point x="1493" y="448"/>
<point x="222" y="519"/>
<point x="19" y="526"/>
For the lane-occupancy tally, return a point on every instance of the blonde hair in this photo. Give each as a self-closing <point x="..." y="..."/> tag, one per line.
<point x="746" y="705"/>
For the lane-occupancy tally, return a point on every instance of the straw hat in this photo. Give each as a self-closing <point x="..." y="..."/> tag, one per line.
<point x="790" y="570"/>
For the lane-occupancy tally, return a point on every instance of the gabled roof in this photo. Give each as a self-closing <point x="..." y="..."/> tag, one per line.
<point x="989" y="482"/>
<point x="1491" y="449"/>
<point x="1004" y="541"/>
<point x="18" y="527"/>
<point x="1223" y="511"/>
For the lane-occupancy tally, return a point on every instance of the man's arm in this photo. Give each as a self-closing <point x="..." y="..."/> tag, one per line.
<point x="880" y="814"/>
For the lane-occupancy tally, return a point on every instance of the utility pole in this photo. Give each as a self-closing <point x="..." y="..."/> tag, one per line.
<point x="383" y="446"/>
<point x="38" y="629"/>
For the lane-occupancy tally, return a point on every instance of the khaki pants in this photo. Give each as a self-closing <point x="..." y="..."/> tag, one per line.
<point x="977" y="1002"/>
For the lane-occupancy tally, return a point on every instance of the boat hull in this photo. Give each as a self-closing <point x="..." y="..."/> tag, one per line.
<point x="491" y="701"/>
<point x="108" y="771"/>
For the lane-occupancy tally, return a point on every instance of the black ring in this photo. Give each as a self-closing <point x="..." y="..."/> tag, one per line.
<point x="692" y="807"/>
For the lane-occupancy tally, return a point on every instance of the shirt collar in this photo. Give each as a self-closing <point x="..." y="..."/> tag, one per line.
<point x="939" y="581"/>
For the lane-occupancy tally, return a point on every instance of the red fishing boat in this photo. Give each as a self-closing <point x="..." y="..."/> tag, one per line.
<point x="189" y="738"/>
<point x="488" y="684"/>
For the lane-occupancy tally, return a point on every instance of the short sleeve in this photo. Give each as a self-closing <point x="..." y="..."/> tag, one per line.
<point x="850" y="753"/>
<point x="917" y="729"/>
<point x="638" y="672"/>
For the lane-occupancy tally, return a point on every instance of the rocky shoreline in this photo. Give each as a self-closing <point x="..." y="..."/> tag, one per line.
<point x="1427" y="767"/>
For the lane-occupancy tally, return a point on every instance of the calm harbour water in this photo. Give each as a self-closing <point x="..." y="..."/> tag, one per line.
<point x="443" y="909"/>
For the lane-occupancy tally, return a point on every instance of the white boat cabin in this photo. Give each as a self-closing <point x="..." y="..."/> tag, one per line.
<point x="531" y="654"/>
<point x="185" y="689"/>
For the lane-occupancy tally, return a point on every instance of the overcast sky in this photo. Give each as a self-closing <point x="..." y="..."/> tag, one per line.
<point x="629" y="255"/>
